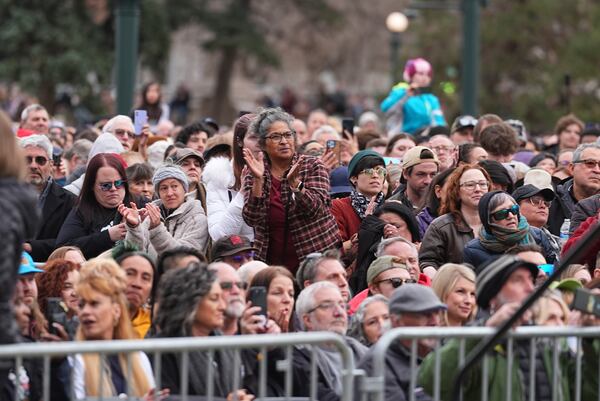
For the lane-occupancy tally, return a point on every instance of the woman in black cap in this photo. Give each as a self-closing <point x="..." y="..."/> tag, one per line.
<point x="503" y="227"/>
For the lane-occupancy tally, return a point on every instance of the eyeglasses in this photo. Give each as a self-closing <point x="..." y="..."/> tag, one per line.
<point x="470" y="185"/>
<point x="372" y="171"/>
<point x="589" y="163"/>
<point x="39" y="160"/>
<point x="228" y="285"/>
<point x="243" y="257"/>
<point x="539" y="201"/>
<point x="439" y="149"/>
<point x="396" y="282"/>
<point x="107" y="186"/>
<point x="278" y="138"/>
<point x="502" y="214"/>
<point x="329" y="306"/>
<point x="124" y="132"/>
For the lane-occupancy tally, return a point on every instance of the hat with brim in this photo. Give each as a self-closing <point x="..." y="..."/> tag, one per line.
<point x="230" y="245"/>
<point x="181" y="154"/>
<point x="528" y="191"/>
<point x="568" y="284"/>
<point x="539" y="178"/>
<point x="492" y="276"/>
<point x="27" y="266"/>
<point x="381" y="264"/>
<point x="415" y="298"/>
<point x="339" y="181"/>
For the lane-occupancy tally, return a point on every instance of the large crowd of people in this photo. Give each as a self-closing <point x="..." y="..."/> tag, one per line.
<point x="280" y="225"/>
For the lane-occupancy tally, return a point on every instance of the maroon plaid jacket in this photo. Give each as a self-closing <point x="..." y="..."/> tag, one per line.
<point x="312" y="227"/>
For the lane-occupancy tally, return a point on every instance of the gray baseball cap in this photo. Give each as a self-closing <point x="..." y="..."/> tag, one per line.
<point x="415" y="298"/>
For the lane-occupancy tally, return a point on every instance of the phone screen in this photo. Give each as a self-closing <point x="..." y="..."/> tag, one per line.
<point x="140" y="118"/>
<point x="258" y="297"/>
<point x="348" y="125"/>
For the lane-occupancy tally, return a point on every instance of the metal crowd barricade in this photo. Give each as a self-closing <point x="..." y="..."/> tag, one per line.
<point x="373" y="386"/>
<point x="156" y="347"/>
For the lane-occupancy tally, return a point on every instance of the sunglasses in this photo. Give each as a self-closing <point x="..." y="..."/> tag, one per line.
<point x="377" y="170"/>
<point x="503" y="213"/>
<point x="39" y="160"/>
<point x="107" y="186"/>
<point x="228" y="285"/>
<point x="243" y="257"/>
<point x="397" y="282"/>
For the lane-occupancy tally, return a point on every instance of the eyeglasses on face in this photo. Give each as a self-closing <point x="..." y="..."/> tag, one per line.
<point x="329" y="306"/>
<point x="471" y="185"/>
<point x="39" y="160"/>
<point x="589" y="163"/>
<point x="502" y="214"/>
<point x="243" y="257"/>
<point x="380" y="171"/>
<point x="107" y="186"/>
<point x="539" y="201"/>
<point x="228" y="285"/>
<point x="396" y="282"/>
<point x="278" y="138"/>
<point x="124" y="132"/>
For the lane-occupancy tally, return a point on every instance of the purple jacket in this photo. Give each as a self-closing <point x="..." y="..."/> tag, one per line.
<point x="424" y="218"/>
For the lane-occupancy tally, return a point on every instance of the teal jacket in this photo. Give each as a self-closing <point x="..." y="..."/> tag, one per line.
<point x="497" y="371"/>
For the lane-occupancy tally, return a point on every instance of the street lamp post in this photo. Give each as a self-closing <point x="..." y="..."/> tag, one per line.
<point x="396" y="23"/>
<point x="126" y="44"/>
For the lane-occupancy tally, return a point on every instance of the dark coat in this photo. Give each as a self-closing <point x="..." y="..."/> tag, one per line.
<point x="444" y="242"/>
<point x="476" y="255"/>
<point x="562" y="207"/>
<point x="369" y="236"/>
<point x="57" y="206"/>
<point x="222" y="368"/>
<point x="397" y="373"/>
<point x="585" y="208"/>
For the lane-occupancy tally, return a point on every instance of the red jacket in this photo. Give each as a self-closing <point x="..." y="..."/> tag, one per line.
<point x="592" y="249"/>
<point x="312" y="228"/>
<point x="346" y="217"/>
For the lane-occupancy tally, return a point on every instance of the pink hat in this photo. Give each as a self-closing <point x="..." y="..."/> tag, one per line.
<point x="414" y="65"/>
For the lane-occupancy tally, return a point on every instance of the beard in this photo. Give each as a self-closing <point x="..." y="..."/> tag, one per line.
<point x="235" y="308"/>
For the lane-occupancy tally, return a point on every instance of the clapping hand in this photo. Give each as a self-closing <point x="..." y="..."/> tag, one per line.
<point x="254" y="164"/>
<point x="131" y="215"/>
<point x="292" y="175"/>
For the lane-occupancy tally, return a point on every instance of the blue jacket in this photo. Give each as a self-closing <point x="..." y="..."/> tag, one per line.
<point x="476" y="255"/>
<point x="414" y="112"/>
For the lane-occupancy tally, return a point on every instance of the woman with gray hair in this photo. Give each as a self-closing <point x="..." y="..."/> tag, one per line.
<point x="503" y="227"/>
<point x="191" y="305"/>
<point x="172" y="220"/>
<point x="371" y="320"/>
<point x="286" y="195"/>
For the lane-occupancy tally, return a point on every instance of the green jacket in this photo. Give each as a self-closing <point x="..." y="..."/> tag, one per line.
<point x="497" y="371"/>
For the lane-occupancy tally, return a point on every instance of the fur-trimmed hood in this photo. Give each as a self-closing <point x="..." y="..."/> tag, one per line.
<point x="218" y="173"/>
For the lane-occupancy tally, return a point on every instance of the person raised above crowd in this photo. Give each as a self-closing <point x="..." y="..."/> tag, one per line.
<point x="410" y="106"/>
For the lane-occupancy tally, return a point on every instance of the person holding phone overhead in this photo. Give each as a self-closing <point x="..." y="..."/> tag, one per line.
<point x="286" y="195"/>
<point x="366" y="172"/>
<point x="410" y="106"/>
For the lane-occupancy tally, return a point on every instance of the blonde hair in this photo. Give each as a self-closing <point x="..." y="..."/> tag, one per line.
<point x="542" y="306"/>
<point x="12" y="160"/>
<point x="104" y="276"/>
<point x="445" y="280"/>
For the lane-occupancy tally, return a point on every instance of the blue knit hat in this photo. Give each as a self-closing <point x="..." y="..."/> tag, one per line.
<point x="358" y="157"/>
<point x="170" y="171"/>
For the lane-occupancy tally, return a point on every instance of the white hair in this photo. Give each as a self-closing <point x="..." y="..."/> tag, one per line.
<point x="325" y="129"/>
<point x="39" y="141"/>
<point x="29" y="109"/>
<point x="305" y="301"/>
<point x="249" y="270"/>
<point x="109" y="126"/>
<point x="388" y="241"/>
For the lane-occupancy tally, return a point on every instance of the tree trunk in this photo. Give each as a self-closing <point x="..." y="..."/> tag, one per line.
<point x="221" y="104"/>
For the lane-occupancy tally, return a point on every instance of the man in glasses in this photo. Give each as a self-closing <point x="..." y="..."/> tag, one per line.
<point x="122" y="128"/>
<point x="233" y="293"/>
<point x="321" y="307"/>
<point x="234" y="250"/>
<point x="387" y="273"/>
<point x="54" y="202"/>
<point x="411" y="305"/>
<point x="445" y="150"/>
<point x="585" y="169"/>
